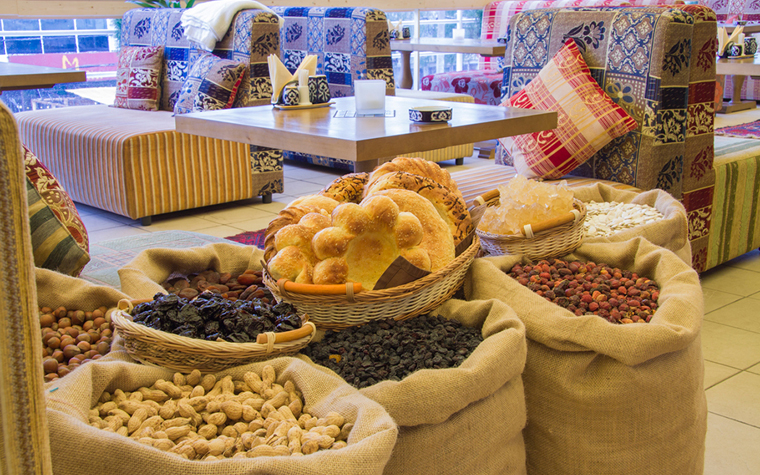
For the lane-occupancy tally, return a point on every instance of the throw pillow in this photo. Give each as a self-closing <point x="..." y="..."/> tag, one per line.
<point x="59" y="238"/>
<point x="587" y="118"/>
<point x="138" y="77"/>
<point x="211" y="84"/>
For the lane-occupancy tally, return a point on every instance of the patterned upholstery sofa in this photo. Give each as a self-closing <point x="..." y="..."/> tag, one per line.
<point x="350" y="43"/>
<point x="658" y="63"/>
<point x="485" y="82"/>
<point x="133" y="162"/>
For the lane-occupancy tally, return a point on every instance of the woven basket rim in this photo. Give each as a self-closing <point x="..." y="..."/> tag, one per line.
<point x="520" y="237"/>
<point x="369" y="296"/>
<point x="123" y="321"/>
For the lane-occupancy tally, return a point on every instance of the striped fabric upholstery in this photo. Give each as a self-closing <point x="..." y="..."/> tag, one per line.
<point x="24" y="441"/>
<point x="142" y="166"/>
<point x="735" y="226"/>
<point x="476" y="181"/>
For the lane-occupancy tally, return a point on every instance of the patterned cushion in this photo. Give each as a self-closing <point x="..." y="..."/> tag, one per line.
<point x="59" y="238"/>
<point x="483" y="85"/>
<point x="212" y="84"/>
<point x="138" y="77"/>
<point x="587" y="118"/>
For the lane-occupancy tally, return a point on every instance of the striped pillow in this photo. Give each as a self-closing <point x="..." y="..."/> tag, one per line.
<point x="59" y="238"/>
<point x="587" y="118"/>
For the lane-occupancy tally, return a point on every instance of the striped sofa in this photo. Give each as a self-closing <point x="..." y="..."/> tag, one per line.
<point x="134" y="163"/>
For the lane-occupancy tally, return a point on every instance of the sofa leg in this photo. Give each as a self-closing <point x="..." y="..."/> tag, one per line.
<point x="266" y="198"/>
<point x="459" y="161"/>
<point x="146" y="220"/>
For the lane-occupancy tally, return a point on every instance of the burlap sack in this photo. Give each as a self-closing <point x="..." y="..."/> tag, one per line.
<point x="604" y="398"/>
<point x="466" y="419"/>
<point x="670" y="232"/>
<point x="78" y="447"/>
<point x="141" y="278"/>
<point x="55" y="289"/>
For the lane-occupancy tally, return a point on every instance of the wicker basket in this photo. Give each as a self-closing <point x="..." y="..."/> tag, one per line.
<point x="554" y="242"/>
<point x="401" y="302"/>
<point x="181" y="353"/>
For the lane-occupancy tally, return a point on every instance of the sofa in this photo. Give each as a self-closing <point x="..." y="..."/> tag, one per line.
<point x="668" y="89"/>
<point x="133" y="162"/>
<point x="351" y="43"/>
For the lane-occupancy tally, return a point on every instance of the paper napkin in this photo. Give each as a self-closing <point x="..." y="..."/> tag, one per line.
<point x="280" y="76"/>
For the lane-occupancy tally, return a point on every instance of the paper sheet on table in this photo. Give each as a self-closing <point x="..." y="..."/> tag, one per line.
<point x="280" y="76"/>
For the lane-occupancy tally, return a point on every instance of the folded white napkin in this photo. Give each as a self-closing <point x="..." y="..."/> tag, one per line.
<point x="280" y="76"/>
<point x="206" y="23"/>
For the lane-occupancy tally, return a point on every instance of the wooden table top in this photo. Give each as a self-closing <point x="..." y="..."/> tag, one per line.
<point x="319" y="132"/>
<point x="738" y="66"/>
<point x="27" y="76"/>
<point x="448" y="45"/>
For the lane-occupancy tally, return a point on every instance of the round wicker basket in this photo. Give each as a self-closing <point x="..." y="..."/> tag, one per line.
<point x="554" y="242"/>
<point x="181" y="353"/>
<point x="401" y="302"/>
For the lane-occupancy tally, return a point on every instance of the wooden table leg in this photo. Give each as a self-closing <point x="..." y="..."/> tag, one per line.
<point x="365" y="166"/>
<point x="737" y="104"/>
<point x="407" y="79"/>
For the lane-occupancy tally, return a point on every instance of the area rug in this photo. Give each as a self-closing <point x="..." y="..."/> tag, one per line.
<point x="250" y="238"/>
<point x="749" y="130"/>
<point x="106" y="257"/>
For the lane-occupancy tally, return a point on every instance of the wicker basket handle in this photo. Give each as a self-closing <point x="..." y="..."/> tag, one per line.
<point x="316" y="289"/>
<point x="530" y="229"/>
<point x="307" y="329"/>
<point x="486" y="197"/>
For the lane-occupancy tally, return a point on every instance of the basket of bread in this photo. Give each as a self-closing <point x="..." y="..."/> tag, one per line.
<point x="394" y="243"/>
<point x="536" y="219"/>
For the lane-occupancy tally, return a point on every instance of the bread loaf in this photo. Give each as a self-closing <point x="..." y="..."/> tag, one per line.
<point x="285" y="217"/>
<point x="322" y="202"/>
<point x="449" y="205"/>
<point x="437" y="238"/>
<point x="347" y="188"/>
<point x="415" y="166"/>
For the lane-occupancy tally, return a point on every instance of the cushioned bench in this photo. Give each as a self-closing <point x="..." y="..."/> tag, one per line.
<point x="133" y="162"/>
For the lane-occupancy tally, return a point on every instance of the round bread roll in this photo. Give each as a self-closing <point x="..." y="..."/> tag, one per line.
<point x="285" y="217"/>
<point x="291" y="264"/>
<point x="449" y="205"/>
<point x="437" y="238"/>
<point x="322" y="202"/>
<point x="415" y="166"/>
<point x="347" y="188"/>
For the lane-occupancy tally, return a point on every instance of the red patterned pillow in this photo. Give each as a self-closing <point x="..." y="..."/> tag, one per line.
<point x="138" y="77"/>
<point x="59" y="238"/>
<point x="588" y="119"/>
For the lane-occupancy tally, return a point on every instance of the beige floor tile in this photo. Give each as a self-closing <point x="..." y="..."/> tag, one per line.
<point x="174" y="222"/>
<point x="755" y="296"/>
<point x="744" y="314"/>
<point x="221" y="231"/>
<point x="715" y="373"/>
<point x="300" y="187"/>
<point x="274" y="207"/>
<point x="303" y="172"/>
<point x="236" y="215"/>
<point x="715" y="299"/>
<point x="113" y="233"/>
<point x="737" y="398"/>
<point x="748" y="261"/>
<point x="85" y="210"/>
<point x="97" y="222"/>
<point x="731" y="448"/>
<point x="250" y="225"/>
<point x="730" y="346"/>
<point x="754" y="369"/>
<point x="731" y="280"/>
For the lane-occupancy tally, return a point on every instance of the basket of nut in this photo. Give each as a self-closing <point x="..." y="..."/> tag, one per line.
<point x="530" y="218"/>
<point x="395" y="243"/>
<point x="208" y="332"/>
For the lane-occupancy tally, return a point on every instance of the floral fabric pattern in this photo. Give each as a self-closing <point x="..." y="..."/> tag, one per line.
<point x="211" y="85"/>
<point x="137" y="78"/>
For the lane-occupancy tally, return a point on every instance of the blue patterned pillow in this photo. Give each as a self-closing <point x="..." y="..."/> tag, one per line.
<point x="211" y="84"/>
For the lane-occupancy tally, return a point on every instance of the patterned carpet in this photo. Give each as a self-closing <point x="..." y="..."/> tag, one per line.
<point x="106" y="257"/>
<point x="750" y="130"/>
<point x="250" y="238"/>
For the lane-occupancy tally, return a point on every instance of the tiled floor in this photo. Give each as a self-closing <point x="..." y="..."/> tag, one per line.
<point x="730" y="333"/>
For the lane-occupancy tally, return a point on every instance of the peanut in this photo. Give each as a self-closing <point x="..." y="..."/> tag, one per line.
<point x="208" y="382"/>
<point x="197" y="391"/>
<point x="138" y="417"/>
<point x="194" y="378"/>
<point x="168" y="410"/>
<point x="233" y="410"/>
<point x="208" y="431"/>
<point x="176" y="432"/>
<point x="253" y="381"/>
<point x="176" y="422"/>
<point x="170" y="389"/>
<point x="295" y="406"/>
<point x="180" y="379"/>
<point x="108" y="406"/>
<point x="186" y="410"/>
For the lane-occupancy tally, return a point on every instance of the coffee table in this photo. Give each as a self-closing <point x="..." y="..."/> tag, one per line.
<point x="367" y="141"/>
<point x="15" y="76"/>
<point x="739" y="68"/>
<point x="441" y="45"/>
